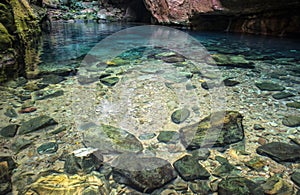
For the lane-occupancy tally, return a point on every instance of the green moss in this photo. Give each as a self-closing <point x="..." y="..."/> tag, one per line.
<point x="5" y="38"/>
<point x="28" y="30"/>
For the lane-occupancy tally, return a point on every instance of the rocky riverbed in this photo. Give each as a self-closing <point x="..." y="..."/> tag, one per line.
<point x="147" y="121"/>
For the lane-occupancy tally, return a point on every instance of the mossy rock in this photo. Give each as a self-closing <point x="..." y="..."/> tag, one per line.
<point x="5" y="38"/>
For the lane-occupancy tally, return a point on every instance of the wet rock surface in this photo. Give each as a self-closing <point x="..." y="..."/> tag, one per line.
<point x="36" y="124"/>
<point x="189" y="168"/>
<point x="238" y="185"/>
<point x="83" y="161"/>
<point x="9" y="131"/>
<point x="109" y="139"/>
<point x="269" y="86"/>
<point x="180" y="115"/>
<point x="218" y="129"/>
<point x="296" y="178"/>
<point x="143" y="173"/>
<point x="280" y="152"/>
<point x="291" y="121"/>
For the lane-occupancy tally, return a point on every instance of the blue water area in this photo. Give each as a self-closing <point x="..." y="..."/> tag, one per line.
<point x="72" y="40"/>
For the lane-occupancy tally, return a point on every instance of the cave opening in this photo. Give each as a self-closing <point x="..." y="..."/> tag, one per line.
<point x="136" y="11"/>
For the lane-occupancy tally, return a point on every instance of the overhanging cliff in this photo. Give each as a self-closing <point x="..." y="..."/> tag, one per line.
<point x="270" y="17"/>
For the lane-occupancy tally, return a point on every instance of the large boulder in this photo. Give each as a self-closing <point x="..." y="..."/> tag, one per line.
<point x="251" y="16"/>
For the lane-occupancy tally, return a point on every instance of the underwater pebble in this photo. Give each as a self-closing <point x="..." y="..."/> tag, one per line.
<point x="47" y="148"/>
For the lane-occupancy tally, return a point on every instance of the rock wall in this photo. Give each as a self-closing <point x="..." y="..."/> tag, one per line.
<point x="19" y="32"/>
<point x="269" y="17"/>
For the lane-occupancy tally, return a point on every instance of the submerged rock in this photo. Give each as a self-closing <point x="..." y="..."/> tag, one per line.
<point x="238" y="186"/>
<point x="219" y="129"/>
<point x="51" y="79"/>
<point x="109" y="139"/>
<point x="238" y="61"/>
<point x="180" y="115"/>
<point x="200" y="187"/>
<point x="230" y="83"/>
<point x="291" y="121"/>
<point x="269" y="86"/>
<point x="10" y="112"/>
<point x="69" y="185"/>
<point x="35" y="124"/>
<point x="20" y="144"/>
<point x="110" y="81"/>
<point x="224" y="169"/>
<point x="142" y="173"/>
<point x="280" y="152"/>
<point x="84" y="160"/>
<point x="296" y="178"/>
<point x="282" y="95"/>
<point x="189" y="168"/>
<point x="258" y="127"/>
<point x="293" y="104"/>
<point x="9" y="131"/>
<point x="45" y="94"/>
<point x="7" y="165"/>
<point x="168" y="137"/>
<point x="276" y="185"/>
<point x="256" y="163"/>
<point x="47" y="148"/>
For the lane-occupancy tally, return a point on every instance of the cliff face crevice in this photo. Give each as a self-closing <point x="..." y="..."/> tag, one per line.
<point x="268" y="17"/>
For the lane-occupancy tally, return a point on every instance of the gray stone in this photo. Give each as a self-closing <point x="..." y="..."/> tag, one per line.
<point x="110" y="81"/>
<point x="51" y="79"/>
<point x="10" y="112"/>
<point x="180" y="115"/>
<point x="224" y="169"/>
<point x="45" y="94"/>
<point x="282" y="95"/>
<point x="258" y="127"/>
<point x="173" y="59"/>
<point x="238" y="61"/>
<point x="269" y="86"/>
<point x="147" y="136"/>
<point x="230" y="83"/>
<point x="142" y="173"/>
<point x="168" y="136"/>
<point x="109" y="139"/>
<point x="9" y="131"/>
<point x="280" y="152"/>
<point x="20" y="144"/>
<point x="35" y="124"/>
<point x="189" y="168"/>
<point x="83" y="164"/>
<point x="217" y="130"/>
<point x="58" y="130"/>
<point x="200" y="187"/>
<point x="291" y="121"/>
<point x="296" y="178"/>
<point x="200" y="154"/>
<point x="293" y="104"/>
<point x="238" y="186"/>
<point x="47" y="148"/>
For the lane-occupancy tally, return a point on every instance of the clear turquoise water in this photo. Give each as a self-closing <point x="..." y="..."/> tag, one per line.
<point x="72" y="40"/>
